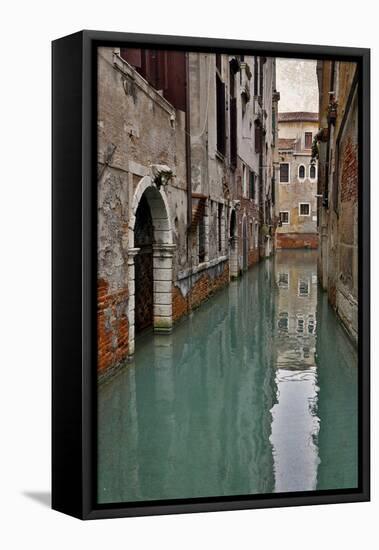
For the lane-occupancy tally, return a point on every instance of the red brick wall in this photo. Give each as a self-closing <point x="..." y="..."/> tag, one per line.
<point x="201" y="290"/>
<point x="349" y="176"/>
<point x="297" y="240"/>
<point x="112" y="326"/>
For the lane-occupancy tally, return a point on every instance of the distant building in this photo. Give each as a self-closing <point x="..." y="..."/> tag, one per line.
<point x="296" y="204"/>
<point x="338" y="186"/>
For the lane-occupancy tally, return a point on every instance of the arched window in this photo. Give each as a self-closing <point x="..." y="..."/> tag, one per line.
<point x="301" y="172"/>
<point x="312" y="171"/>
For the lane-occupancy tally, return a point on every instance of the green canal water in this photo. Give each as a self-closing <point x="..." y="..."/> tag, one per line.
<point x="255" y="392"/>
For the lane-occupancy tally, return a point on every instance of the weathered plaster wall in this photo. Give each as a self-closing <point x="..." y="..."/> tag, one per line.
<point x="297" y="82"/>
<point x="301" y="230"/>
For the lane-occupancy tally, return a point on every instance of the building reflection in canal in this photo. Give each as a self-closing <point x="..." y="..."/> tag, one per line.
<point x="254" y="393"/>
<point x="295" y="423"/>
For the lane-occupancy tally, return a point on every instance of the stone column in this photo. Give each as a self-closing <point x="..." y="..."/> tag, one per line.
<point x="162" y="273"/>
<point x="233" y="259"/>
<point x="132" y="252"/>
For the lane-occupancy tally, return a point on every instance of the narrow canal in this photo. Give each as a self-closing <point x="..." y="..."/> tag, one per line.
<point x="255" y="392"/>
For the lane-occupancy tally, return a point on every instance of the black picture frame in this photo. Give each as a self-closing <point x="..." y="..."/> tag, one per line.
<point x="74" y="275"/>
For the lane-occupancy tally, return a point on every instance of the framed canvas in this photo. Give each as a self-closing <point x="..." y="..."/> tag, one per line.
<point x="210" y="275"/>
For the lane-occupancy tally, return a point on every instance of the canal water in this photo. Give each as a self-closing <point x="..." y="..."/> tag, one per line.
<point x="255" y="392"/>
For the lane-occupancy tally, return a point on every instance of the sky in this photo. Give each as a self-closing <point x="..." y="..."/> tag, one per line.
<point x="296" y="80"/>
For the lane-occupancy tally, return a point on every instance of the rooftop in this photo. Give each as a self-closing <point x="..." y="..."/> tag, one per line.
<point x="298" y="116"/>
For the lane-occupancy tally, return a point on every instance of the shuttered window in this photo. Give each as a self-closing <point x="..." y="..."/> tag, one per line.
<point x="284" y="172"/>
<point x="164" y="70"/>
<point x="220" y="101"/>
<point x="252" y="185"/>
<point x="308" y="140"/>
<point x="133" y="56"/>
<point x="255" y="75"/>
<point x="301" y="172"/>
<point x="233" y="132"/>
<point x="201" y="239"/>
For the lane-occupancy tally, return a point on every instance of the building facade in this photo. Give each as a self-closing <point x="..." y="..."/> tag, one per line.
<point x="185" y="149"/>
<point x="338" y="188"/>
<point x="296" y="205"/>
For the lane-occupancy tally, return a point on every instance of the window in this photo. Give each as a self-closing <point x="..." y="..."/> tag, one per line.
<point x="283" y="321"/>
<point x="252" y="185"/>
<point x="233" y="131"/>
<point x="283" y="280"/>
<point x="300" y="325"/>
<point x="284" y="216"/>
<point x="255" y="75"/>
<point x="156" y="66"/>
<point x="220" y="115"/>
<point x="301" y="172"/>
<point x="233" y="113"/>
<point x="303" y="288"/>
<point x="312" y="171"/>
<point x="201" y="239"/>
<point x="308" y="140"/>
<point x="304" y="209"/>
<point x="244" y="180"/>
<point x="219" y="227"/>
<point x="311" y="325"/>
<point x="261" y="61"/>
<point x="256" y="234"/>
<point x="284" y="172"/>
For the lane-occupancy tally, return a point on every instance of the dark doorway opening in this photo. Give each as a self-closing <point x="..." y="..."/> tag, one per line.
<point x="143" y="239"/>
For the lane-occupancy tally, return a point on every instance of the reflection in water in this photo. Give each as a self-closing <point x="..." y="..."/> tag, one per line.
<point x="295" y="424"/>
<point x="254" y="393"/>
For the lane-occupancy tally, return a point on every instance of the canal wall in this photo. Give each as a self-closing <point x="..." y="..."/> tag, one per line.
<point x="191" y="291"/>
<point x="297" y="240"/>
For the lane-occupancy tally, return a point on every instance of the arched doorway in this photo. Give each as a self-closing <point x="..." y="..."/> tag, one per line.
<point x="233" y="255"/>
<point x="245" y="245"/>
<point x="151" y="251"/>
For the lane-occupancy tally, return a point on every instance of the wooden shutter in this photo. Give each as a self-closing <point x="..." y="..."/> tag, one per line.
<point x="308" y="140"/>
<point x="174" y="88"/>
<point x="220" y="100"/>
<point x="133" y="56"/>
<point x="284" y="172"/>
<point x="233" y="132"/>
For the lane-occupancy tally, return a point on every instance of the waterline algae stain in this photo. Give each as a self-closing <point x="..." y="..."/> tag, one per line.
<point x="255" y="392"/>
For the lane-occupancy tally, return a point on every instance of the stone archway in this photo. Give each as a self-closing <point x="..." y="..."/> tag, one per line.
<point x="150" y="233"/>
<point x="233" y="245"/>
